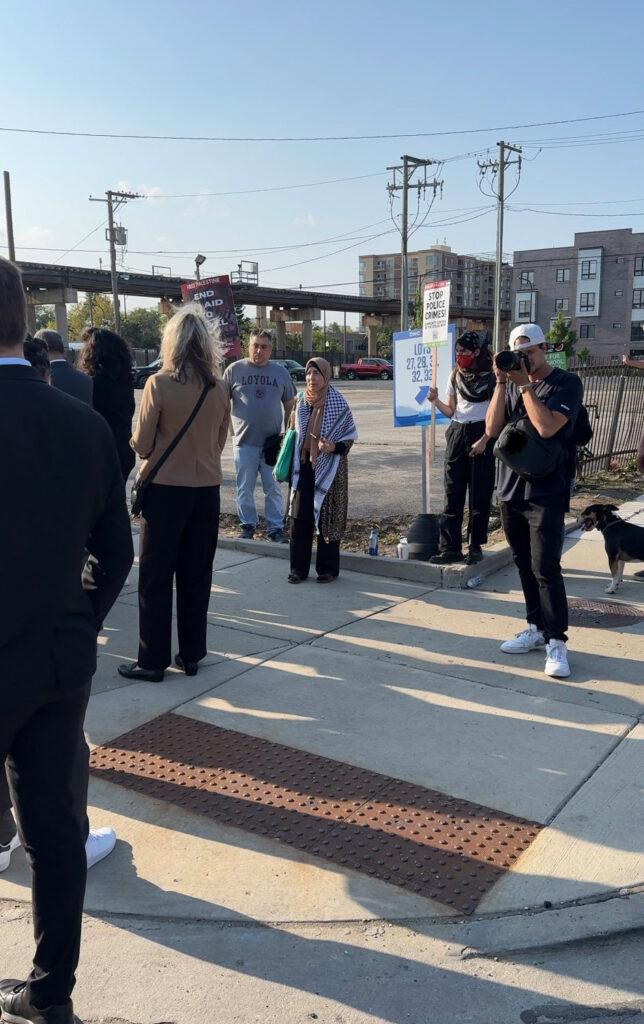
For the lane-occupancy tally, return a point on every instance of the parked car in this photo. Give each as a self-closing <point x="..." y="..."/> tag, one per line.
<point x="141" y="373"/>
<point x="372" y="367"/>
<point x="296" y="370"/>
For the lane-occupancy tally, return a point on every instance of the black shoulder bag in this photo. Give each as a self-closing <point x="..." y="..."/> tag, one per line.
<point x="532" y="457"/>
<point x="137" y="494"/>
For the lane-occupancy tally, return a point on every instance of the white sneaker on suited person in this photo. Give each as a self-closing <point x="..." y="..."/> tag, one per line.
<point x="557" y="660"/>
<point x="100" y="843"/>
<point x="6" y="851"/>
<point x="528" y="640"/>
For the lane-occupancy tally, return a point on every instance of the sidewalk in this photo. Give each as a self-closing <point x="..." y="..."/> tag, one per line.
<point x="391" y="679"/>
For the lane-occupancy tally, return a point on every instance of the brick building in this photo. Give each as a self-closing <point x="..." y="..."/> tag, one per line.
<point x="598" y="284"/>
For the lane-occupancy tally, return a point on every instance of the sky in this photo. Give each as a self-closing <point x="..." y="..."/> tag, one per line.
<point x="448" y="79"/>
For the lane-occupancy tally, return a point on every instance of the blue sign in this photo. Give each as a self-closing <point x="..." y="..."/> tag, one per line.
<point x="413" y="376"/>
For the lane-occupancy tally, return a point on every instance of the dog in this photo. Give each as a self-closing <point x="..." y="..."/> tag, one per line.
<point x="624" y="542"/>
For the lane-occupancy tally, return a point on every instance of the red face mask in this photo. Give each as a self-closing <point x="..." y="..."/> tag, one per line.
<point x="464" y="360"/>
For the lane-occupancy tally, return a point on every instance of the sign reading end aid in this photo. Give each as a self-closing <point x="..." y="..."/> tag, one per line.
<point x="215" y="295"/>
<point x="436" y="313"/>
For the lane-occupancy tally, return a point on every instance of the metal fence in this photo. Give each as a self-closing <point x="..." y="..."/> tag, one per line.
<point x="614" y="397"/>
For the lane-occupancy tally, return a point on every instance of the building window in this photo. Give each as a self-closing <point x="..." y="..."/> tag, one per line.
<point x="587" y="301"/>
<point x="619" y="259"/>
<point x="619" y="293"/>
<point x="586" y="330"/>
<point x="527" y="278"/>
<point x="562" y="304"/>
<point x="616" y="326"/>
<point x="638" y="298"/>
<point x="637" y="330"/>
<point x="588" y="270"/>
<point x="363" y="265"/>
<point x="524" y="309"/>
<point x="639" y="266"/>
<point x="563" y="274"/>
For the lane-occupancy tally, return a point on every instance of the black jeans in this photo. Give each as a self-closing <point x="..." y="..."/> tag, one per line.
<point x="535" y="535"/>
<point x="179" y="531"/>
<point x="466" y="474"/>
<point x="41" y="745"/>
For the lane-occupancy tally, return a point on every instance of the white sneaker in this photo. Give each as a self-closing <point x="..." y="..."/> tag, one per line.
<point x="100" y="843"/>
<point x="6" y="851"/>
<point x="557" y="660"/>
<point x="528" y="640"/>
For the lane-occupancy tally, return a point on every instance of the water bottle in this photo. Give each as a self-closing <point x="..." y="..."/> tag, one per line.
<point x="475" y="581"/>
<point x="373" y="542"/>
<point x="403" y="548"/>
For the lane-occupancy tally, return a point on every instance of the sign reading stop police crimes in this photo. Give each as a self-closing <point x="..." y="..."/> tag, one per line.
<point x="216" y="297"/>
<point x="436" y="313"/>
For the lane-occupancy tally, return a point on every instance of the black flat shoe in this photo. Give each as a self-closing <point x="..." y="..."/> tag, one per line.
<point x="144" y="675"/>
<point x="189" y="667"/>
<point x="327" y="577"/>
<point x="447" y="558"/>
<point x="474" y="556"/>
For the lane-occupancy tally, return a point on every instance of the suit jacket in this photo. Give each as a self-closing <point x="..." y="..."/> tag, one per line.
<point x="165" y="407"/>
<point x="62" y="494"/>
<point x="114" y="399"/>
<point x="71" y="381"/>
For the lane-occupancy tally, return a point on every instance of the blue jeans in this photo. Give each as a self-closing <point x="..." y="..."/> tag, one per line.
<point x="249" y="461"/>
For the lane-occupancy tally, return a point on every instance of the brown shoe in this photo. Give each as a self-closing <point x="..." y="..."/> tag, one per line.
<point x="326" y="577"/>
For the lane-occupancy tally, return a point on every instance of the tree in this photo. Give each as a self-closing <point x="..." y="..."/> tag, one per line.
<point x="142" y="328"/>
<point x="417" y="318"/>
<point x="45" y="318"/>
<point x="244" y="323"/>
<point x="562" y="334"/>
<point x="385" y="342"/>
<point x="96" y="310"/>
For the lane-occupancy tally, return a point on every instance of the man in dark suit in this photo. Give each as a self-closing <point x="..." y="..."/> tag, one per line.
<point x="63" y="376"/>
<point x="63" y="495"/>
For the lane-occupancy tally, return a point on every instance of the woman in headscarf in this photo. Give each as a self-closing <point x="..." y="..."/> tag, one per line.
<point x="318" y="502"/>
<point x="469" y="458"/>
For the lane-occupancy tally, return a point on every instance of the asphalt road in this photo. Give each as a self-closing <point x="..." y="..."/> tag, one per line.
<point x="385" y="469"/>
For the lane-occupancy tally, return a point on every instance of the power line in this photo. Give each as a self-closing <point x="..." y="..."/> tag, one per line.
<point x="272" y="188"/>
<point x="317" y="138"/>
<point x="93" y="231"/>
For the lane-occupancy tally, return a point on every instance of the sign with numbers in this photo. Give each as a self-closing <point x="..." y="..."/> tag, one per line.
<point x="413" y="362"/>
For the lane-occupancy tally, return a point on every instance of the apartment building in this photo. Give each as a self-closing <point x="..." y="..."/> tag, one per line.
<point x="598" y="284"/>
<point x="472" y="279"/>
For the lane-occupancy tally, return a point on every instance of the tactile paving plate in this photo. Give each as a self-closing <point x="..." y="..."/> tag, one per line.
<point x="602" y="614"/>
<point x="441" y="847"/>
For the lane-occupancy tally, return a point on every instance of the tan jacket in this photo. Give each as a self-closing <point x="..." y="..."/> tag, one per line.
<point x="165" y="407"/>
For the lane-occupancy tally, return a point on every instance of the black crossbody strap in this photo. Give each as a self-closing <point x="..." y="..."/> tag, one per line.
<point x="171" y="447"/>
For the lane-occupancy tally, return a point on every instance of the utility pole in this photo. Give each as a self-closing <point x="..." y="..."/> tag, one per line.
<point x="114" y="200"/>
<point x="410" y="164"/>
<point x="7" y="205"/>
<point x="500" y="165"/>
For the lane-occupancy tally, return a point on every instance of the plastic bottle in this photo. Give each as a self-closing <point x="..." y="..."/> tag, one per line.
<point x="373" y="542"/>
<point x="403" y="548"/>
<point x="475" y="581"/>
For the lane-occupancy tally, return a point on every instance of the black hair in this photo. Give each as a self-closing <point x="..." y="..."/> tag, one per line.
<point x="105" y="352"/>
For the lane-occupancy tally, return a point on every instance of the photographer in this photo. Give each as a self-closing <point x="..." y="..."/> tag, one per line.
<point x="533" y="512"/>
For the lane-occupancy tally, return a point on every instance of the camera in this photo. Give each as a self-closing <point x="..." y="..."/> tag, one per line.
<point x="510" y="360"/>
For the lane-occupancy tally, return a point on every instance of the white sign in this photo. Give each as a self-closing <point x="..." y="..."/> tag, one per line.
<point x="436" y="312"/>
<point x="413" y="361"/>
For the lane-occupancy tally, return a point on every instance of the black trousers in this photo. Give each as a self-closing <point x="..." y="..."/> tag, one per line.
<point x="41" y="744"/>
<point x="327" y="559"/>
<point x="466" y="475"/>
<point x="535" y="535"/>
<point x="179" y="531"/>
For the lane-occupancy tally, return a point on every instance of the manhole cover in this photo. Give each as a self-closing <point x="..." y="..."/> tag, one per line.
<point x="602" y="614"/>
<point x="439" y="846"/>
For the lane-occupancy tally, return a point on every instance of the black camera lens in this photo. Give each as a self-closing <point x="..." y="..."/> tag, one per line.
<point x="507" y="361"/>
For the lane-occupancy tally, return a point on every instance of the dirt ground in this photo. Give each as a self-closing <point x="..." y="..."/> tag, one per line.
<point x="618" y="484"/>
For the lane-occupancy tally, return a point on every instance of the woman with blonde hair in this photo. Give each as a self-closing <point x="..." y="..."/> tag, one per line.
<point x="180" y="515"/>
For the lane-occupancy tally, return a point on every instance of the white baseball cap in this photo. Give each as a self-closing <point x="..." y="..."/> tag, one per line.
<point x="531" y="335"/>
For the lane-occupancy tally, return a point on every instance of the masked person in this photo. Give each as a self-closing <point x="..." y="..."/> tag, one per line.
<point x="469" y="460"/>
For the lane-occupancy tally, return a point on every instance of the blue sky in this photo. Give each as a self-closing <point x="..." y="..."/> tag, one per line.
<point x="287" y="68"/>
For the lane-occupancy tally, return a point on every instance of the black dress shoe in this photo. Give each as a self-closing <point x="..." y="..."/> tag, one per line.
<point x="189" y="667"/>
<point x="144" y="675"/>
<point x="474" y="555"/>
<point x="16" y="1008"/>
<point x="447" y="558"/>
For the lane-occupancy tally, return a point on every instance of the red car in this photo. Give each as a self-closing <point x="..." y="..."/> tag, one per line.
<point x="370" y="367"/>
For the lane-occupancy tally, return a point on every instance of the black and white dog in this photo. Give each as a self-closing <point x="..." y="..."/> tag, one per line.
<point x="624" y="542"/>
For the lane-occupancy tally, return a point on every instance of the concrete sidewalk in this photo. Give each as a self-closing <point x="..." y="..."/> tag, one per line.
<point x="402" y="677"/>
